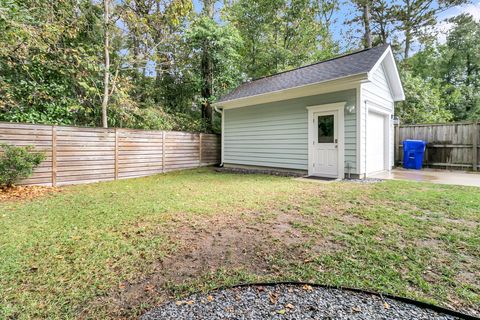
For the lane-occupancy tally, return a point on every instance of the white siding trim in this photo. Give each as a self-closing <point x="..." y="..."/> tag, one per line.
<point x="359" y="129"/>
<point x="223" y="136"/>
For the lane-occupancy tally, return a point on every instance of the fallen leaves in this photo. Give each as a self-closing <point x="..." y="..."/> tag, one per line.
<point x="150" y="288"/>
<point x="273" y="297"/>
<point x="287" y="307"/>
<point x="19" y="193"/>
<point x="307" y="288"/>
<point x="356" y="309"/>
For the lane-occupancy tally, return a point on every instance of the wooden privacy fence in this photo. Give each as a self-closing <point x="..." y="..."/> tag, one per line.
<point x="450" y="145"/>
<point x="82" y="155"/>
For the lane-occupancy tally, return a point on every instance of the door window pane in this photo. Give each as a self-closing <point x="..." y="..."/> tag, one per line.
<point x="325" y="129"/>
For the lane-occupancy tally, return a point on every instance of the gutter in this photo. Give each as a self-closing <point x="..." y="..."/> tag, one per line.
<point x="350" y="78"/>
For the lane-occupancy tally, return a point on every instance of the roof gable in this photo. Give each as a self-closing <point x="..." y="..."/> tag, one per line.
<point x="387" y="60"/>
<point x="357" y="63"/>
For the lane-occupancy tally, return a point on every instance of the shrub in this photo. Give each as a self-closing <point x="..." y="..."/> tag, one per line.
<point x="17" y="163"/>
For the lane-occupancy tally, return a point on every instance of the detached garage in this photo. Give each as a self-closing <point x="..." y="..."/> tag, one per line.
<point x="329" y="119"/>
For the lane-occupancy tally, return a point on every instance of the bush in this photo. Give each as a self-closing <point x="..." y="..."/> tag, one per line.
<point x="17" y="163"/>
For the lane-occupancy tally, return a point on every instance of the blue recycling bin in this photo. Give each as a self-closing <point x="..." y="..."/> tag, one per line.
<point x="413" y="151"/>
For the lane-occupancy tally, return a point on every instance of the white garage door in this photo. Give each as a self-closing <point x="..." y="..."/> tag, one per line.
<point x="375" y="142"/>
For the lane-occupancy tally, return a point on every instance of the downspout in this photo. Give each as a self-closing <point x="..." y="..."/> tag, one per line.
<point x="222" y="133"/>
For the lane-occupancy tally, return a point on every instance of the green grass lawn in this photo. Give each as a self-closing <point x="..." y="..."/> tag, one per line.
<point x="114" y="249"/>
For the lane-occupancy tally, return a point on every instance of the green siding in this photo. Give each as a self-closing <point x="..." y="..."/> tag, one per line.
<point x="276" y="134"/>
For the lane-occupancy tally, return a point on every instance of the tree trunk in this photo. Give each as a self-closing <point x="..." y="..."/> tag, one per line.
<point x="207" y="70"/>
<point x="408" y="28"/>
<point x="208" y="8"/>
<point x="408" y="40"/>
<point x="366" y="24"/>
<point x="106" y="72"/>
<point x="207" y="77"/>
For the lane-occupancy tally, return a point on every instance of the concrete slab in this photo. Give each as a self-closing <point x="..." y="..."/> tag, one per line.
<point x="461" y="178"/>
<point x="306" y="179"/>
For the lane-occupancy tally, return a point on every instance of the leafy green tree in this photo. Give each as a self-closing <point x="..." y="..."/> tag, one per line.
<point x="423" y="102"/>
<point x="167" y="63"/>
<point x="280" y="35"/>
<point x="49" y="61"/>
<point x="454" y="67"/>
<point x="222" y="68"/>
<point x="416" y="18"/>
<point x="461" y="67"/>
<point x="374" y="20"/>
<point x="325" y="15"/>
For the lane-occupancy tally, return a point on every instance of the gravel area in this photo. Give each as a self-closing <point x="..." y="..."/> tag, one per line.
<point x="289" y="302"/>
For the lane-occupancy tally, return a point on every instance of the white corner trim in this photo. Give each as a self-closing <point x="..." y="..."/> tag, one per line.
<point x="358" y="128"/>
<point x="339" y="108"/>
<point x="222" y="138"/>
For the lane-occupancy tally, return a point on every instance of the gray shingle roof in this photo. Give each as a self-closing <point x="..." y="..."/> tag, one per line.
<point x="339" y="67"/>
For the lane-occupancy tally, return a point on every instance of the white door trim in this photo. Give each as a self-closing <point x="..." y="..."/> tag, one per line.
<point x="339" y="107"/>
<point x="374" y="108"/>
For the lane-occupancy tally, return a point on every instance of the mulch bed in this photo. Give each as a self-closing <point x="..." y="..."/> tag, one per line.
<point x="290" y="302"/>
<point x="19" y="193"/>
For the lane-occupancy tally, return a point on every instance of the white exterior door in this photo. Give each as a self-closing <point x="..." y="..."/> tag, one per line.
<point x="376" y="142"/>
<point x="325" y="144"/>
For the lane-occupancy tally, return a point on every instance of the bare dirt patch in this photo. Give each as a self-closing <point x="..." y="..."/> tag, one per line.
<point x="209" y="245"/>
<point x="20" y="193"/>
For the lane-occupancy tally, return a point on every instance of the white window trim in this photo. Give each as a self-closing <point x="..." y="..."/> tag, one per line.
<point x="339" y="107"/>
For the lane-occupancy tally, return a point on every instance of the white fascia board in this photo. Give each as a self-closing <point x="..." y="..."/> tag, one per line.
<point x="345" y="83"/>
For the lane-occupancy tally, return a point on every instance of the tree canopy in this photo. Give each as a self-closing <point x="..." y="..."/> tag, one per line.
<point x="159" y="64"/>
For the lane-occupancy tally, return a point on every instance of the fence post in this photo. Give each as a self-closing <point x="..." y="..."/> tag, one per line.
<point x="163" y="150"/>
<point x="54" y="156"/>
<point x="116" y="155"/>
<point x="475" y="127"/>
<point x="200" y="150"/>
<point x="397" y="144"/>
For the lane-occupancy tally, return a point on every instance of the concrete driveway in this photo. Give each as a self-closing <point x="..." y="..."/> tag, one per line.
<point x="461" y="178"/>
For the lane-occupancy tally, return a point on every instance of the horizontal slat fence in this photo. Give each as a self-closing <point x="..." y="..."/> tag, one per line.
<point x="82" y="155"/>
<point x="451" y="145"/>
